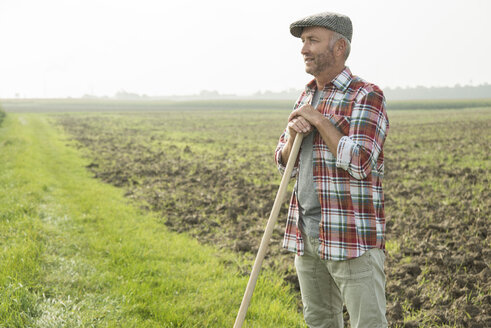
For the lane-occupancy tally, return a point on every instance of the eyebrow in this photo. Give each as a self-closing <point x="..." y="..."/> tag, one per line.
<point x="309" y="37"/>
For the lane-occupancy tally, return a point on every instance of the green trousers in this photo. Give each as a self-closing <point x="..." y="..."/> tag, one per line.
<point x="326" y="285"/>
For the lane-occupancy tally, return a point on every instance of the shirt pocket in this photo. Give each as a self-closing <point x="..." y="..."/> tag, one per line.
<point x="341" y="122"/>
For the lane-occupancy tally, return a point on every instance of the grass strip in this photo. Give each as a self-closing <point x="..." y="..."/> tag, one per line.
<point x="76" y="253"/>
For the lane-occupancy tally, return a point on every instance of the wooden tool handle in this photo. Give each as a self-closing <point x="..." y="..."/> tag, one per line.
<point x="280" y="196"/>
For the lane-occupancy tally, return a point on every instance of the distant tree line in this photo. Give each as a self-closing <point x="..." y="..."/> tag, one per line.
<point x="408" y="93"/>
<point x="456" y="92"/>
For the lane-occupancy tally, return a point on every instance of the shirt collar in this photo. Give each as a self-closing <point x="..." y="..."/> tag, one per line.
<point x="341" y="82"/>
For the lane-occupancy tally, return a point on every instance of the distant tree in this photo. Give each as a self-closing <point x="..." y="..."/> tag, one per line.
<point x="122" y="94"/>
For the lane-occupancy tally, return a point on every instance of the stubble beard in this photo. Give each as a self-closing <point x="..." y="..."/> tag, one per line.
<point x="322" y="62"/>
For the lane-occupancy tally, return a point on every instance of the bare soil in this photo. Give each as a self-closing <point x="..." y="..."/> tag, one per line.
<point x="437" y="202"/>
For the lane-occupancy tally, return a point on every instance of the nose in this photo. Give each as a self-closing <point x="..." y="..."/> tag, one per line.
<point x="305" y="49"/>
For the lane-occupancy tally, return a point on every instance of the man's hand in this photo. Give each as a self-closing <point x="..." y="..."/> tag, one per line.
<point x="305" y="118"/>
<point x="298" y="125"/>
<point x="298" y="122"/>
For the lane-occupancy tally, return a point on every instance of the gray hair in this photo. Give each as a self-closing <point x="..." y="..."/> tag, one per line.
<point x="335" y="37"/>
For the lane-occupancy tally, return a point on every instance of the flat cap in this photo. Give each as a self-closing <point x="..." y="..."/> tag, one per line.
<point x="332" y="21"/>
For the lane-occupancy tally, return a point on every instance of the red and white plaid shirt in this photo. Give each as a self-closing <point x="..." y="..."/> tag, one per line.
<point x="349" y="186"/>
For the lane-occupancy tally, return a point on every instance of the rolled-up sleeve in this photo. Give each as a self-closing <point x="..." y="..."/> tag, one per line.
<point x="358" y="152"/>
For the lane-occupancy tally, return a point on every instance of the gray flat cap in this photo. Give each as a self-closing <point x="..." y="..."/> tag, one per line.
<point x="332" y="21"/>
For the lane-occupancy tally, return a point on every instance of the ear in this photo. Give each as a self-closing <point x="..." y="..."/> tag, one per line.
<point x="340" y="47"/>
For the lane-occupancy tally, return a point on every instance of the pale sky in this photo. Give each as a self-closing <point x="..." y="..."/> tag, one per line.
<point x="68" y="48"/>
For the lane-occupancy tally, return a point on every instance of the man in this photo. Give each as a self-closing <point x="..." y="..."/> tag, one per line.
<point x="336" y="221"/>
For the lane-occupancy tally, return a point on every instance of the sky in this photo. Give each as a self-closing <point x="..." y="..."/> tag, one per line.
<point x="69" y="48"/>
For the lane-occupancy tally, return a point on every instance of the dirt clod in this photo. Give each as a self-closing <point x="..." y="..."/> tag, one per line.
<point x="437" y="197"/>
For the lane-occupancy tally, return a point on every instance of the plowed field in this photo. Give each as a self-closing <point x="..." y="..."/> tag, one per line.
<point x="211" y="174"/>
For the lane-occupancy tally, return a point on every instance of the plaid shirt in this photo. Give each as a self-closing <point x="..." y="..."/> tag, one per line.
<point x="349" y="186"/>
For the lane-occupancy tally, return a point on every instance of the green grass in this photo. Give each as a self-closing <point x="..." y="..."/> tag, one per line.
<point x="76" y="253"/>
